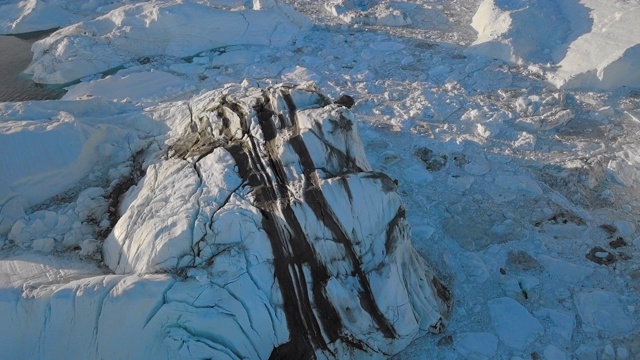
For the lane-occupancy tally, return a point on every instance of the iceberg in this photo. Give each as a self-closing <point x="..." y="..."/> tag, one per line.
<point x="587" y="44"/>
<point x="257" y="230"/>
<point x="166" y="28"/>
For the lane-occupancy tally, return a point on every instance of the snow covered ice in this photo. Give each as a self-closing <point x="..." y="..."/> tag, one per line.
<point x="594" y="43"/>
<point x="236" y="179"/>
<point x="267" y="223"/>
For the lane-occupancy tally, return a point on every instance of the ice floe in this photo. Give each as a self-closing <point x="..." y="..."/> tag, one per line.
<point x="593" y="43"/>
<point x="158" y="28"/>
<point x="515" y="326"/>
<point x="520" y="180"/>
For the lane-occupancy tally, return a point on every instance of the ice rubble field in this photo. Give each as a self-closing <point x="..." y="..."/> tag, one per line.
<point x="510" y="125"/>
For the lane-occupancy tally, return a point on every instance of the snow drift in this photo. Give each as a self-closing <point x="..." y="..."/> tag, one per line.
<point x="49" y="147"/>
<point x="157" y="28"/>
<point x="260" y="232"/>
<point x="17" y="17"/>
<point x="594" y="43"/>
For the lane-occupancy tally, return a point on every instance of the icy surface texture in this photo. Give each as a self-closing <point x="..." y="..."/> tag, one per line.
<point x="156" y="28"/>
<point x="594" y="43"/>
<point x="34" y="15"/>
<point x="50" y="147"/>
<point x="260" y="232"/>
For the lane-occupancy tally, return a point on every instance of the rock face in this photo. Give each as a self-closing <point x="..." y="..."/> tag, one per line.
<point x="261" y="232"/>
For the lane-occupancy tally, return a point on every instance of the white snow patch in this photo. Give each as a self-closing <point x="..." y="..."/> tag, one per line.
<point x="594" y="43"/>
<point x="604" y="311"/>
<point x="565" y="271"/>
<point x="519" y="184"/>
<point x="143" y="86"/>
<point x="157" y="28"/>
<point x="513" y="323"/>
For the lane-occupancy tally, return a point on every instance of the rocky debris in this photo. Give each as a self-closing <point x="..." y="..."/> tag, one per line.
<point x="346" y="101"/>
<point x="432" y="161"/>
<point x="601" y="256"/>
<point x="609" y="229"/>
<point x="445" y="341"/>
<point x="460" y="159"/>
<point x="563" y="224"/>
<point x="618" y="242"/>
<point x="271" y="190"/>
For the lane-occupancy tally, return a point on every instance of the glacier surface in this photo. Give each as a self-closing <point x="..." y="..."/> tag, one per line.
<point x="510" y="127"/>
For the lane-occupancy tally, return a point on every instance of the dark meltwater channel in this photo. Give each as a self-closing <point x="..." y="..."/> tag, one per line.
<point x="15" y="56"/>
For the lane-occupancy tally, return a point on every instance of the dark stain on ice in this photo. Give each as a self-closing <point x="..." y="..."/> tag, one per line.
<point x="441" y="290"/>
<point x="386" y="182"/>
<point x="265" y="115"/>
<point x="392" y="240"/>
<point x="601" y="256"/>
<point x="445" y="341"/>
<point x="618" y="243"/>
<point x="624" y="256"/>
<point x="311" y="317"/>
<point x="120" y="188"/>
<point x="313" y="195"/>
<point x="460" y="159"/>
<point x="346" y="101"/>
<point x="565" y="217"/>
<point x="317" y="202"/>
<point x="609" y="229"/>
<point x="524" y="292"/>
<point x="342" y="124"/>
<point x="432" y="161"/>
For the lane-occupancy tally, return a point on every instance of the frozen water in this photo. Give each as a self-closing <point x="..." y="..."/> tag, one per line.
<point x="602" y="310"/>
<point x="515" y="158"/>
<point x="515" y="326"/>
<point x="592" y="41"/>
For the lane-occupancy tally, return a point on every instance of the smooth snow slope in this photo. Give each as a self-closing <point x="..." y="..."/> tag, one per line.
<point x="593" y="43"/>
<point x="522" y="195"/>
